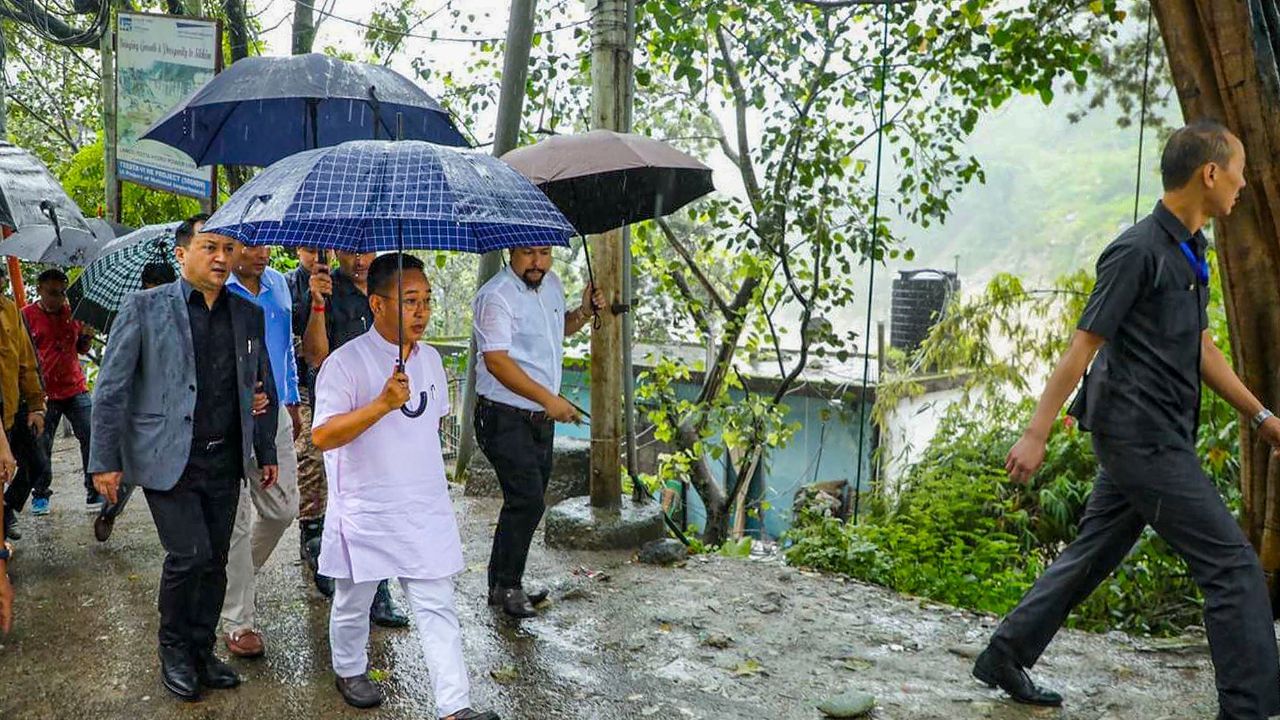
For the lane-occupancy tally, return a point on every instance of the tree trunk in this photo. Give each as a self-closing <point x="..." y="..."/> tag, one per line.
<point x="709" y="489"/>
<point x="304" y="27"/>
<point x="1223" y="61"/>
<point x="237" y="29"/>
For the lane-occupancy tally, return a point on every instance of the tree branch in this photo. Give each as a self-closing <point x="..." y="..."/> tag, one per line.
<point x="740" y="105"/>
<point x="44" y="121"/>
<point x="699" y="316"/>
<point x="690" y="261"/>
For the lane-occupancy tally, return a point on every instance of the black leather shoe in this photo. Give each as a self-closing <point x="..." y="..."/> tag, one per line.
<point x="359" y="691"/>
<point x="535" y="598"/>
<point x="469" y="714"/>
<point x="324" y="584"/>
<point x="178" y="673"/>
<point x="102" y="527"/>
<point x="998" y="670"/>
<point x="213" y="673"/>
<point x="309" y="549"/>
<point x="516" y="604"/>
<point x="383" y="612"/>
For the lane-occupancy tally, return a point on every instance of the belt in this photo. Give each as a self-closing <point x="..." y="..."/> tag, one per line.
<point x="534" y="415"/>
<point x="208" y="445"/>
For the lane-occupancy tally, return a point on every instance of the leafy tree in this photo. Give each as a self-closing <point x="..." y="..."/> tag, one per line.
<point x="788" y="94"/>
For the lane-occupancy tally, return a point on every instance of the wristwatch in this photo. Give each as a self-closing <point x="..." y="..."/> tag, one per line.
<point x="4" y="552"/>
<point x="1256" y="421"/>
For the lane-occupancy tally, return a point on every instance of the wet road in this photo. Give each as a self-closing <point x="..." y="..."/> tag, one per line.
<point x="719" y="638"/>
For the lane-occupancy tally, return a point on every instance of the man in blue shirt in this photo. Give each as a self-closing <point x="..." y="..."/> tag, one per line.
<point x="264" y="513"/>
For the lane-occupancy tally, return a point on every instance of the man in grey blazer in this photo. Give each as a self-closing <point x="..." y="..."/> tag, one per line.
<point x="173" y="414"/>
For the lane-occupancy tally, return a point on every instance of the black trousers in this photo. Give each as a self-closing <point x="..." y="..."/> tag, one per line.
<point x="194" y="520"/>
<point x="518" y="445"/>
<point x="1164" y="487"/>
<point x="31" y="464"/>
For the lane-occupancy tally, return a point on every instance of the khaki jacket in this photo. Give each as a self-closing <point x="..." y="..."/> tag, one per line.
<point x="19" y="370"/>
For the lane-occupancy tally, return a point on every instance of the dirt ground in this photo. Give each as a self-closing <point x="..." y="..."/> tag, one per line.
<point x="717" y="638"/>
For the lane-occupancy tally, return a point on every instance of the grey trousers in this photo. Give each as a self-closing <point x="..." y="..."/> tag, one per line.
<point x="1164" y="487"/>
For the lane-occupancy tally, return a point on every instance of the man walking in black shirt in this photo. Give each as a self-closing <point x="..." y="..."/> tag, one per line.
<point x="1147" y="323"/>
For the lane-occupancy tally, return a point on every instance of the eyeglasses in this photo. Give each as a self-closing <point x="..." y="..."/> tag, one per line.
<point x="414" y="304"/>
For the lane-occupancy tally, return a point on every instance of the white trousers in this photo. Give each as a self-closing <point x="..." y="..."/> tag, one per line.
<point x="261" y="518"/>
<point x="438" y="632"/>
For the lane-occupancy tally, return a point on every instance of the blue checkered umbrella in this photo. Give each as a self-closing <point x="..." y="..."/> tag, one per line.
<point x="371" y="195"/>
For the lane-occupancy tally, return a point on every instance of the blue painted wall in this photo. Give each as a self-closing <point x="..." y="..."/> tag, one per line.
<point x="821" y="450"/>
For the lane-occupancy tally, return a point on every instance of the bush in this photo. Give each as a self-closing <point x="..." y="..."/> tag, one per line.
<point x="961" y="533"/>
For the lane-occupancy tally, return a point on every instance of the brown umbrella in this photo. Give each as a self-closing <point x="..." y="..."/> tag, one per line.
<point x="604" y="180"/>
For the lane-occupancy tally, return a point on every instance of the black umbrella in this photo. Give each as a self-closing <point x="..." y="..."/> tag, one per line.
<point x="48" y="225"/>
<point x="262" y="109"/>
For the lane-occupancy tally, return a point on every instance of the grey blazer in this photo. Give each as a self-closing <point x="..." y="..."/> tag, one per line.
<point x="145" y="395"/>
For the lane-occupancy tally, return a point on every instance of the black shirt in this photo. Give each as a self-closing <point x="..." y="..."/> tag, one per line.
<point x="217" y="413"/>
<point x="299" y="281"/>
<point x="347" y="312"/>
<point x="1150" y="305"/>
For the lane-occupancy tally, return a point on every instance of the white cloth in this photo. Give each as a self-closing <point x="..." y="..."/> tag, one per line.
<point x="261" y="519"/>
<point x="388" y="512"/>
<point x="528" y="324"/>
<point x="439" y="633"/>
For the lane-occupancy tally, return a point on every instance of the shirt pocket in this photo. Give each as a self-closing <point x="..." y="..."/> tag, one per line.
<point x="1177" y="311"/>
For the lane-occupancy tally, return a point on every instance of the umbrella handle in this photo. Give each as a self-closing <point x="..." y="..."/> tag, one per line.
<point x="591" y="279"/>
<point x="52" y="212"/>
<point x="422" y="406"/>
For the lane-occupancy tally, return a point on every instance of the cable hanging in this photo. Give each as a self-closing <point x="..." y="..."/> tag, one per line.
<point x="875" y="238"/>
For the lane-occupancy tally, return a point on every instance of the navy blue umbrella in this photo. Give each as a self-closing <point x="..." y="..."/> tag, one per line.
<point x="262" y="109"/>
<point x="372" y="195"/>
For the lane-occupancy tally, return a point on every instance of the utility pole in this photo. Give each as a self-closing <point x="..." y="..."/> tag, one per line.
<point x="612" y="37"/>
<point x="111" y="183"/>
<point x="515" y="71"/>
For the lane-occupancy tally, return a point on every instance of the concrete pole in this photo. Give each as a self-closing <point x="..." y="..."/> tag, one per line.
<point x="612" y="37"/>
<point x="111" y="183"/>
<point x="515" y="72"/>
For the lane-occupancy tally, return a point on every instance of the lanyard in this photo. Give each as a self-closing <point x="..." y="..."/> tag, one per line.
<point x="1200" y="266"/>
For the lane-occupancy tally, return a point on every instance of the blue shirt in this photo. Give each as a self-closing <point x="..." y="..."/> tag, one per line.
<point x="277" y="305"/>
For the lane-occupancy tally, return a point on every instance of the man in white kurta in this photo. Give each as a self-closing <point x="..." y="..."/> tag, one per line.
<point x="389" y="514"/>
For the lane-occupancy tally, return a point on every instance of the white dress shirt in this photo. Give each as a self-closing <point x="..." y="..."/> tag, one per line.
<point x="529" y="325"/>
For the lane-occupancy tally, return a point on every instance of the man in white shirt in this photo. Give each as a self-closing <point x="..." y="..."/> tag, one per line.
<point x="520" y="325"/>
<point x="388" y="512"/>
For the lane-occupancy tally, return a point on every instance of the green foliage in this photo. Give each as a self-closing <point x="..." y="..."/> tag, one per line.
<point x="962" y="533"/>
<point x="736" y="549"/>
<point x="83" y="181"/>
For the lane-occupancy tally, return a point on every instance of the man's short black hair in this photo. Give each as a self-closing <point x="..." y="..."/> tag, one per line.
<point x="187" y="229"/>
<point x="1190" y="148"/>
<point x="382" y="272"/>
<point x="158" y="273"/>
<point x="51" y="275"/>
